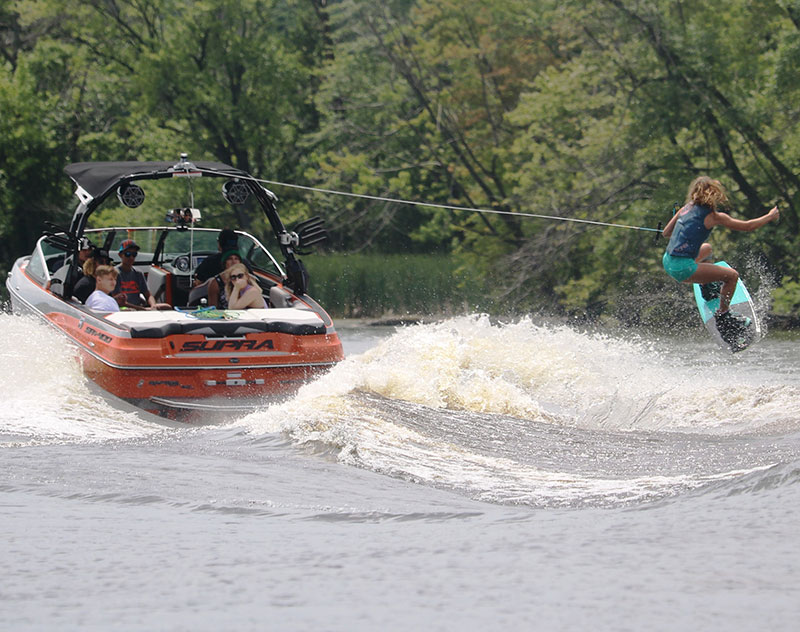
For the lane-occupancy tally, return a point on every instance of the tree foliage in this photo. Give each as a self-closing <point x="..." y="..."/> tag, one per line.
<point x="601" y="113"/>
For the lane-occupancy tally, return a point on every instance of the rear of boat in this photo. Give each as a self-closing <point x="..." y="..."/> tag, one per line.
<point x="184" y="365"/>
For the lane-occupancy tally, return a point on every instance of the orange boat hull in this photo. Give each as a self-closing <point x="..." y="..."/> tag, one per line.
<point x="188" y="369"/>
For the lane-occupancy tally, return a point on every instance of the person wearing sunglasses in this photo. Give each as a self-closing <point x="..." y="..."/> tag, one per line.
<point x="131" y="290"/>
<point x="210" y="275"/>
<point x="216" y="286"/>
<point x="242" y="290"/>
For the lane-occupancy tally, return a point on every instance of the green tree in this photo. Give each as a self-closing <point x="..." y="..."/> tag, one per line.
<point x="35" y="126"/>
<point x="217" y="79"/>
<point x="416" y="103"/>
<point x="602" y="113"/>
<point x="650" y="96"/>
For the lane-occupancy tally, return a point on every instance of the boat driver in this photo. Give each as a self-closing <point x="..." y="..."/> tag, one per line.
<point x="210" y="275"/>
<point x="212" y="265"/>
<point x="85" y="249"/>
<point x="63" y="271"/>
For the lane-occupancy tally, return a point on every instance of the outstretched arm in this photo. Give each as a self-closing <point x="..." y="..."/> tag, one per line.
<point x="723" y="219"/>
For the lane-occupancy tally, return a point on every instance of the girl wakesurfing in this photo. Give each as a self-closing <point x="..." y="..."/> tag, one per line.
<point x="688" y="255"/>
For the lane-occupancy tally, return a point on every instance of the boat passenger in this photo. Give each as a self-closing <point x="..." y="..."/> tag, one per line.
<point x="66" y="270"/>
<point x="227" y="240"/>
<point x="688" y="256"/>
<point x="131" y="285"/>
<point x="216" y="285"/>
<point x="85" y="250"/>
<point x="101" y="299"/>
<point x="86" y="285"/>
<point x="242" y="290"/>
<point x="209" y="281"/>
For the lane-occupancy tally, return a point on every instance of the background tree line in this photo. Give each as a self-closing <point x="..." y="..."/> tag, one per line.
<point x="603" y="111"/>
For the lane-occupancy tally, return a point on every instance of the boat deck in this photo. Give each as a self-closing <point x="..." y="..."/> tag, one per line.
<point x="159" y="324"/>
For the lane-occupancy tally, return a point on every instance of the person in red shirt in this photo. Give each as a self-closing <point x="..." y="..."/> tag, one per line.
<point x="131" y="289"/>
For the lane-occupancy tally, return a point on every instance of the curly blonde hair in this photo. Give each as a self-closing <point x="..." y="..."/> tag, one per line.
<point x="89" y="266"/>
<point x="707" y="192"/>
<point x="98" y="257"/>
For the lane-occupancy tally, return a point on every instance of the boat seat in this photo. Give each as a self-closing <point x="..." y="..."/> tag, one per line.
<point x="157" y="284"/>
<point x="59" y="279"/>
<point x="54" y="263"/>
<point x="278" y="297"/>
<point x="197" y="293"/>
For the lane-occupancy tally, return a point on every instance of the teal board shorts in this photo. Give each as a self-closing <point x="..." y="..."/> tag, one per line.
<point x="679" y="268"/>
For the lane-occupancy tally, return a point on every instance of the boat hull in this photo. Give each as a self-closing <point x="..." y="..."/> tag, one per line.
<point x="180" y="366"/>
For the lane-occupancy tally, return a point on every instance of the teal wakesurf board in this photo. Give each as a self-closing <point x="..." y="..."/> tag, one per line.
<point x="741" y="304"/>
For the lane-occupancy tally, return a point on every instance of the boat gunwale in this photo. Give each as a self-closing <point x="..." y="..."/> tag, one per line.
<point x="106" y="325"/>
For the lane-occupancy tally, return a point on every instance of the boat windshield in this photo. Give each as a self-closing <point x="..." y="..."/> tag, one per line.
<point x="178" y="244"/>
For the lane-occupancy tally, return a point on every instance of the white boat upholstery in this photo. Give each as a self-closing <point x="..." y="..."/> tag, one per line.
<point x="287" y="315"/>
<point x="160" y="324"/>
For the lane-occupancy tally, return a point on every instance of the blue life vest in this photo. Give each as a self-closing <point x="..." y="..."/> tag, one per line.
<point x="690" y="232"/>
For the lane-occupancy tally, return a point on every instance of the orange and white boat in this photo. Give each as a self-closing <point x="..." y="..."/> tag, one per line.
<point x="189" y="358"/>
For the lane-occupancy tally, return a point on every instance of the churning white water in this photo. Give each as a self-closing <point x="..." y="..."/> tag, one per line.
<point x="45" y="397"/>
<point x="465" y="474"/>
<point x="539" y="415"/>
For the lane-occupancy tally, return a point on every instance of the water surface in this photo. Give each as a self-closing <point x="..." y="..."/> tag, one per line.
<point x="465" y="474"/>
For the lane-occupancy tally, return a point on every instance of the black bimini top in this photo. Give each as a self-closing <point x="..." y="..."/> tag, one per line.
<point x="98" y="178"/>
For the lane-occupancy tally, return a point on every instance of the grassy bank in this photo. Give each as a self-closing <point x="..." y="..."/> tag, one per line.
<point x="372" y="286"/>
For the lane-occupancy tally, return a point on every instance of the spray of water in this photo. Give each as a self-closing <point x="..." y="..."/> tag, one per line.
<point x="46" y="397"/>
<point x="520" y="378"/>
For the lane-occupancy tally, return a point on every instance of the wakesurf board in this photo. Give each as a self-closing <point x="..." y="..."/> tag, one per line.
<point x="741" y="304"/>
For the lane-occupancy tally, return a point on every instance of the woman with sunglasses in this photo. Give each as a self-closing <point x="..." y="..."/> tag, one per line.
<point x="242" y="290"/>
<point x="215" y="286"/>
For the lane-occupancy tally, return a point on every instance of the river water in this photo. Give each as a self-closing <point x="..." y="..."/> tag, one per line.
<point x="460" y="475"/>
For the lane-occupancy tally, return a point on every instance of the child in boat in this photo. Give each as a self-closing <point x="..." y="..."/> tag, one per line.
<point x="105" y="278"/>
<point x="85" y="286"/>
<point x="242" y="290"/>
<point x="131" y="288"/>
<point x="688" y="255"/>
